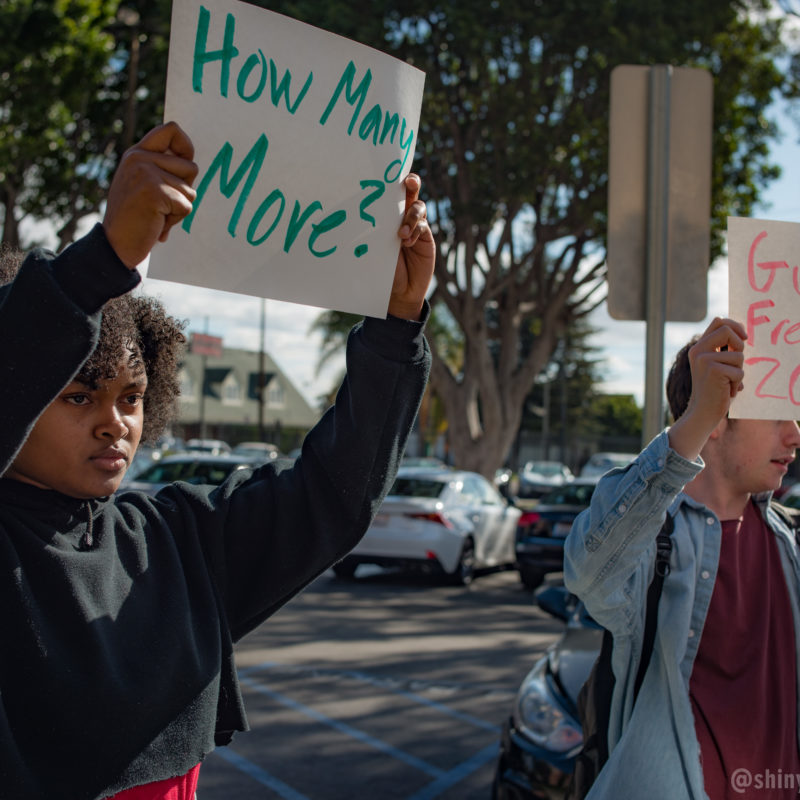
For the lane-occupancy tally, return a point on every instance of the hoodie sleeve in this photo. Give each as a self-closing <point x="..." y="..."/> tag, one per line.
<point x="49" y="324"/>
<point x="269" y="533"/>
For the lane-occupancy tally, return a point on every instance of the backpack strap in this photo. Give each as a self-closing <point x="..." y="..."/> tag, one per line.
<point x="594" y="698"/>
<point x="663" y="551"/>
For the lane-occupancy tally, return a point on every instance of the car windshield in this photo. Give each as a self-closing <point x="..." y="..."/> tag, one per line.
<point x="207" y="472"/>
<point x="417" y="487"/>
<point x="545" y="467"/>
<point x="611" y="460"/>
<point x="570" y="494"/>
<point x="256" y="452"/>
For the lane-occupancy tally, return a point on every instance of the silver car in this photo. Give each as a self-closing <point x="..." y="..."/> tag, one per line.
<point x="439" y="520"/>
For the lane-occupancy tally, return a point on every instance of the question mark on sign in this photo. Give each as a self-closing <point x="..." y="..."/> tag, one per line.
<point x="379" y="188"/>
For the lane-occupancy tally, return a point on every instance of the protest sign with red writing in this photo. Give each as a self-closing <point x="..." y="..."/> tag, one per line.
<point x="764" y="294"/>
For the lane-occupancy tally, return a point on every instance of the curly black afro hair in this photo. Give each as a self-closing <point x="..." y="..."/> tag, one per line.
<point x="138" y="329"/>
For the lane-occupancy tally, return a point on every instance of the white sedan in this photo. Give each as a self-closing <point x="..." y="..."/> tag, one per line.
<point x="440" y="520"/>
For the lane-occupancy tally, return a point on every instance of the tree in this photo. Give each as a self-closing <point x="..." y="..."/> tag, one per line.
<point x="615" y="415"/>
<point x="48" y="50"/>
<point x="514" y="153"/>
<point x="80" y="80"/>
<point x="513" y="147"/>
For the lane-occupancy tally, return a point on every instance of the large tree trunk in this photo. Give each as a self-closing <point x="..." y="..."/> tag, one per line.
<point x="484" y="408"/>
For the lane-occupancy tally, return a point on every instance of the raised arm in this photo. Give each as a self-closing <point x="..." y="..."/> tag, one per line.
<point x="50" y="313"/>
<point x="610" y="550"/>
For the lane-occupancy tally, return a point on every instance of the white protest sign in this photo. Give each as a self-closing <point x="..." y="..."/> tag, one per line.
<point x="764" y="295"/>
<point x="303" y="139"/>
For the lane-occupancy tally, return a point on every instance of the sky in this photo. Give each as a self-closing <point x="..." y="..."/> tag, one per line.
<point x="621" y="344"/>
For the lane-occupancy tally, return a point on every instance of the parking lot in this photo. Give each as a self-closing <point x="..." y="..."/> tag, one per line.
<point x="388" y="686"/>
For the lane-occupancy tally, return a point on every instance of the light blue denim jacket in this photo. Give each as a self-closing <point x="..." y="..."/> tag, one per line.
<point x="608" y="563"/>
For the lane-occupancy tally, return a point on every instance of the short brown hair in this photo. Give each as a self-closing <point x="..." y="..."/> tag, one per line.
<point x="679" y="380"/>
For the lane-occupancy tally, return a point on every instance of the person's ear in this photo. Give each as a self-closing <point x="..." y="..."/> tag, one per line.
<point x="720" y="428"/>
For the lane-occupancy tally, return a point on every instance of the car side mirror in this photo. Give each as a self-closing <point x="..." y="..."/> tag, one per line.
<point x="556" y="601"/>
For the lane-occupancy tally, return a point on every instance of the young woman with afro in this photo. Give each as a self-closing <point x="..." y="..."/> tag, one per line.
<point x="121" y="610"/>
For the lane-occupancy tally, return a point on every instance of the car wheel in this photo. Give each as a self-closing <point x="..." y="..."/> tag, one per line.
<point x="531" y="578"/>
<point x="345" y="569"/>
<point x="465" y="569"/>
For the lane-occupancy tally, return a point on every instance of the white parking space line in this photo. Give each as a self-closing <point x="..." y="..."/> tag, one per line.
<point x="344" y="728"/>
<point x="258" y="774"/>
<point x="457" y="774"/>
<point x="379" y="683"/>
<point x="443" y="780"/>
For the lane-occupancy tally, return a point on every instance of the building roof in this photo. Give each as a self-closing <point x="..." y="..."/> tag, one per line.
<point x="230" y="385"/>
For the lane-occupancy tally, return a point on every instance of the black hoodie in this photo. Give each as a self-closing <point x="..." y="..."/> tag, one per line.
<point x="118" y="615"/>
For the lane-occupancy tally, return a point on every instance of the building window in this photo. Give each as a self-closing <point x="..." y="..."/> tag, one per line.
<point x="188" y="387"/>
<point x="231" y="391"/>
<point x="276" y="396"/>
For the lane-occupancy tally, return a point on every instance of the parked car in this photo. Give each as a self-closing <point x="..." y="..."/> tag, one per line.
<point x="438" y="520"/>
<point x="539" y="477"/>
<point x="600" y="463"/>
<point x="213" y="447"/>
<point x="144" y="458"/>
<point x="168" y="445"/>
<point x="422" y="461"/>
<point x="502" y="480"/>
<point x="542" y="736"/>
<point x="197" y="468"/>
<point x="542" y="530"/>
<point x="263" y="450"/>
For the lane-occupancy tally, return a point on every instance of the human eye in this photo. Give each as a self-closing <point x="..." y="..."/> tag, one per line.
<point x="134" y="399"/>
<point x="76" y="399"/>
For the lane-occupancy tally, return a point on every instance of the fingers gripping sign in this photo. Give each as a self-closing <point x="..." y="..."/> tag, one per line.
<point x="717" y="361"/>
<point x="151" y="191"/>
<point x="417" y="256"/>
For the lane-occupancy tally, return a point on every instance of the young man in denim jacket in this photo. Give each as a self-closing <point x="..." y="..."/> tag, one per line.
<point x="717" y="711"/>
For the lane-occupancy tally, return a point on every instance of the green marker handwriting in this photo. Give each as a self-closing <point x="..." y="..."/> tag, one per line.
<point x="375" y="124"/>
<point x="255" y="63"/>
<point x="273" y="204"/>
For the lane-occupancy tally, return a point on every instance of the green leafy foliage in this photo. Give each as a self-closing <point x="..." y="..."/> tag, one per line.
<point x="512" y="148"/>
<point x="73" y="74"/>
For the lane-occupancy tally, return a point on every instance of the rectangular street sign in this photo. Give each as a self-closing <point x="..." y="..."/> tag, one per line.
<point x="681" y="196"/>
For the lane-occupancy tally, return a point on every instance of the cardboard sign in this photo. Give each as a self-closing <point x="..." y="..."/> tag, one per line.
<point x="764" y="295"/>
<point x="303" y="139"/>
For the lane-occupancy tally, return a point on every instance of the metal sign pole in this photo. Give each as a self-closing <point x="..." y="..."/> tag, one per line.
<point x="657" y="247"/>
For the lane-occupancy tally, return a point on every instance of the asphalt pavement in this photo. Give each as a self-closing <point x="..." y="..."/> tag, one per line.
<point x="386" y="687"/>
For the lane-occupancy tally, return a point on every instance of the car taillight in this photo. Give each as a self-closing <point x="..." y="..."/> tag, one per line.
<point x="528" y="518"/>
<point x="433" y="516"/>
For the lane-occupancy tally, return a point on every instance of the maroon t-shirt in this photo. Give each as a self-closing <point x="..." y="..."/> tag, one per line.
<point x="743" y="687"/>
